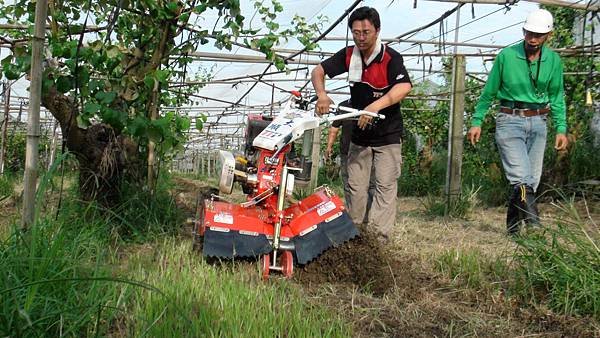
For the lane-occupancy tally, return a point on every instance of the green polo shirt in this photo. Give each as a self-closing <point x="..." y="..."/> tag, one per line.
<point x="510" y="80"/>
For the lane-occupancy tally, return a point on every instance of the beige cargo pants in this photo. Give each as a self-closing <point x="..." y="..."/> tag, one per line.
<point x="386" y="162"/>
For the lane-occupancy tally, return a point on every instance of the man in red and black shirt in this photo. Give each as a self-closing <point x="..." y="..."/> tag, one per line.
<point x="378" y="82"/>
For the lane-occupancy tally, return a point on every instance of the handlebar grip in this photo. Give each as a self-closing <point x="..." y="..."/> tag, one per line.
<point x="357" y="111"/>
<point x="375" y="115"/>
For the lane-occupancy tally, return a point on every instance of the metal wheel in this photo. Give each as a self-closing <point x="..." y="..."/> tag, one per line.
<point x="266" y="263"/>
<point x="287" y="264"/>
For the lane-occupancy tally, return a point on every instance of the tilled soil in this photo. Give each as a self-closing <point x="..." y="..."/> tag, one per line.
<point x="363" y="262"/>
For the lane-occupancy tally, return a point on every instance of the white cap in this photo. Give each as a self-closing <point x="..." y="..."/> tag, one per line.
<point x="539" y="21"/>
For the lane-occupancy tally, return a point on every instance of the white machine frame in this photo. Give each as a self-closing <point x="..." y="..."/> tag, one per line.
<point x="291" y="123"/>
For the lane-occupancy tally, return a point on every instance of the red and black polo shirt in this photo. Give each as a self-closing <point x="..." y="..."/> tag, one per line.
<point x="385" y="71"/>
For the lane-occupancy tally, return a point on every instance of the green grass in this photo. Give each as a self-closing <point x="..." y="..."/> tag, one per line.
<point x="459" y="207"/>
<point x="142" y="215"/>
<point x="7" y="183"/>
<point x="55" y="282"/>
<point x="471" y="268"/>
<point x="222" y="300"/>
<point x="99" y="272"/>
<point x="560" y="267"/>
<point x="557" y="267"/>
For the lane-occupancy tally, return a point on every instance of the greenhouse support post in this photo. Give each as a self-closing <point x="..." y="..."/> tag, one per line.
<point x="33" y="118"/>
<point x="455" y="139"/>
<point x="4" y="140"/>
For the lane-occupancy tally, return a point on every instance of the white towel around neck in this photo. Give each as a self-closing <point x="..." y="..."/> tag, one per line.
<point x="356" y="64"/>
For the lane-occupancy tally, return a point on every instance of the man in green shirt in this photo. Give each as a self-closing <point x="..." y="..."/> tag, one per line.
<point x="527" y="79"/>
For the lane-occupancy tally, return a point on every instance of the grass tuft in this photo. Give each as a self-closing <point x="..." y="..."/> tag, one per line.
<point x="471" y="268"/>
<point x="54" y="282"/>
<point x="7" y="183"/>
<point x="459" y="207"/>
<point x="561" y="265"/>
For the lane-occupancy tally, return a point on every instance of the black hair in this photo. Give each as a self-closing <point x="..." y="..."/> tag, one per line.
<point x="366" y="12"/>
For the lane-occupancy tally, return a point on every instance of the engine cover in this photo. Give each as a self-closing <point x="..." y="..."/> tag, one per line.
<point x="287" y="127"/>
<point x="226" y="168"/>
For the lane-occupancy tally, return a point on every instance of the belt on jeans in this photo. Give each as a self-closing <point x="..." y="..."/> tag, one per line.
<point x="522" y="105"/>
<point x="524" y="112"/>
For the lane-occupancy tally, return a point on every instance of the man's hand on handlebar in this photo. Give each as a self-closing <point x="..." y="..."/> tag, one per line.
<point x="323" y="103"/>
<point x="364" y="121"/>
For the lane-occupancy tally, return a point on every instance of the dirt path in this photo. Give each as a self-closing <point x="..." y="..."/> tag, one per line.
<point x="396" y="291"/>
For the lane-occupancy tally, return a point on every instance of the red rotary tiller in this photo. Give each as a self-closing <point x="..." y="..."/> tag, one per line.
<point x="264" y="225"/>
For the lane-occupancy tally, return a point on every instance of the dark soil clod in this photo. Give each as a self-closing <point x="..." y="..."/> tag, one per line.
<point x="363" y="262"/>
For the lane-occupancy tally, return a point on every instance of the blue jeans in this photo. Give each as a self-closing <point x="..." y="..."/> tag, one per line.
<point x="521" y="142"/>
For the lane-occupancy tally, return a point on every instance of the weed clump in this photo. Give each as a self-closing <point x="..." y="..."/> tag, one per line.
<point x="561" y="267"/>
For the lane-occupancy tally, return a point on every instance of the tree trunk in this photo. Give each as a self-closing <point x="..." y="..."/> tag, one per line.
<point x="53" y="144"/>
<point x="151" y="144"/>
<point x="104" y="156"/>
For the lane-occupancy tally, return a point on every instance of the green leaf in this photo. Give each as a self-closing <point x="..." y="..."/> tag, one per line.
<point x="200" y="123"/>
<point x="239" y="19"/>
<point x="113" y="117"/>
<point x="279" y="63"/>
<point x="167" y="144"/>
<point x="63" y="84"/>
<point x="272" y="25"/>
<point x="11" y="72"/>
<point x="162" y="123"/>
<point x="47" y="83"/>
<point x="24" y="63"/>
<point x="60" y="16"/>
<point x="149" y="81"/>
<point x="95" y="85"/>
<point x="83" y="122"/>
<point x="172" y="7"/>
<point x="83" y="76"/>
<point x="154" y="133"/>
<point x="96" y="45"/>
<point x="57" y="49"/>
<point x="277" y="7"/>
<point x="7" y="60"/>
<point x="113" y="51"/>
<point x="106" y="98"/>
<point x="200" y="8"/>
<point x="184" y="17"/>
<point x="91" y="108"/>
<point x="183" y="123"/>
<point x="19" y="11"/>
<point x="137" y="127"/>
<point x="162" y="75"/>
